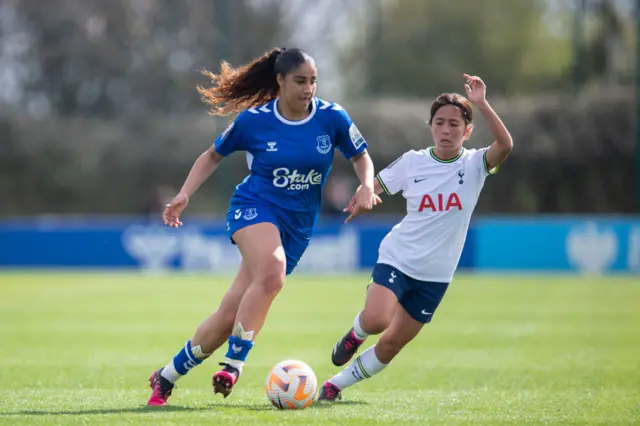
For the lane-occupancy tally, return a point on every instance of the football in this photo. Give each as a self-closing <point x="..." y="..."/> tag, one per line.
<point x="291" y="385"/>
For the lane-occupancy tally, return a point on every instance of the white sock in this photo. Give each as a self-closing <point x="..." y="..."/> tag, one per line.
<point x="235" y="364"/>
<point x="363" y="367"/>
<point x="170" y="373"/>
<point x="357" y="328"/>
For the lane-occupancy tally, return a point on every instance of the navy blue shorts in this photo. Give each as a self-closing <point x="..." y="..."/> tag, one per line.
<point x="242" y="215"/>
<point x="419" y="298"/>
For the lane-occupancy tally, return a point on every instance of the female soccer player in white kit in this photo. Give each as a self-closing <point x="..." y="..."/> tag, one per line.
<point x="418" y="257"/>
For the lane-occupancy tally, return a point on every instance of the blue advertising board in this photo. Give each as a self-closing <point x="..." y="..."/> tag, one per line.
<point x="200" y="245"/>
<point x="581" y="244"/>
<point x="515" y="244"/>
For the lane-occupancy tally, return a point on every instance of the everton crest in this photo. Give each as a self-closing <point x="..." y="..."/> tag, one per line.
<point x="324" y="144"/>
<point x="250" y="214"/>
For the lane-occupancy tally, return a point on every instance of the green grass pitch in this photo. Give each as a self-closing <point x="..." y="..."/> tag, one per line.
<point x="78" y="349"/>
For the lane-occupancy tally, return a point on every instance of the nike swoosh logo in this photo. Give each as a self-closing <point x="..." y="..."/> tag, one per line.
<point x="424" y="312"/>
<point x="419" y="180"/>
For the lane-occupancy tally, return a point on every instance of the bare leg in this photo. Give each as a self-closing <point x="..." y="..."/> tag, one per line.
<point x="216" y="329"/>
<point x="379" y="308"/>
<point x="402" y="330"/>
<point x="262" y="250"/>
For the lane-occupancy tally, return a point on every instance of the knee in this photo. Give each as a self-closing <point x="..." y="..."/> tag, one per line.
<point x="271" y="276"/>
<point x="375" y="322"/>
<point x="388" y="347"/>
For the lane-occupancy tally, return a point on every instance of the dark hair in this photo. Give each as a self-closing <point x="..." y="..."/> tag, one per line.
<point x="236" y="89"/>
<point x="457" y="101"/>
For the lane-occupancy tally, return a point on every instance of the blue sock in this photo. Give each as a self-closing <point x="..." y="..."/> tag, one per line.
<point x="238" y="351"/>
<point x="183" y="362"/>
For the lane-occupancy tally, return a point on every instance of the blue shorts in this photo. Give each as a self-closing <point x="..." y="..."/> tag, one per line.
<point x="419" y="298"/>
<point x="241" y="215"/>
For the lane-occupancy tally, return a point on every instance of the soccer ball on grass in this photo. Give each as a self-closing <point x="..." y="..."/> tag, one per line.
<point x="291" y="385"/>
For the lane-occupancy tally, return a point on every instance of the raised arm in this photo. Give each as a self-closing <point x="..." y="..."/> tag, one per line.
<point x="500" y="149"/>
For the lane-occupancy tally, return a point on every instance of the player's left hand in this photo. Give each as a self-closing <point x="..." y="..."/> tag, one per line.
<point x="171" y="214"/>
<point x="475" y="88"/>
<point x="363" y="201"/>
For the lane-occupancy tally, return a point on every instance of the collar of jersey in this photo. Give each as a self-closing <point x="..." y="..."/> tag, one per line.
<point x="440" y="160"/>
<point x="294" y="123"/>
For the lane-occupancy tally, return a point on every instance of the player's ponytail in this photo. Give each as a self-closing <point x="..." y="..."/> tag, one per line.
<point x="236" y="89"/>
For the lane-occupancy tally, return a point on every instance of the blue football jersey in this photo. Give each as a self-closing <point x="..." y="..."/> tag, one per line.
<point x="289" y="160"/>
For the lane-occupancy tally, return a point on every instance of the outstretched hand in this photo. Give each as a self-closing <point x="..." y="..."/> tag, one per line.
<point x="172" y="211"/>
<point x="362" y="201"/>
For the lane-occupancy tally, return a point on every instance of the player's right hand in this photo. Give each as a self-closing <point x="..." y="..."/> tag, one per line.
<point x="355" y="208"/>
<point x="171" y="214"/>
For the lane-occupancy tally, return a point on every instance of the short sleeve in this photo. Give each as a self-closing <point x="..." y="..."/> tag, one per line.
<point x="392" y="179"/>
<point x="479" y="157"/>
<point x="349" y="140"/>
<point x="232" y="139"/>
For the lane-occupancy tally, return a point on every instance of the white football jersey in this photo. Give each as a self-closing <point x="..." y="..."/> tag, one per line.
<point x="441" y="196"/>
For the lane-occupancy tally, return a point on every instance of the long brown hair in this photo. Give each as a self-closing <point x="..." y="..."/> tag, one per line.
<point x="251" y="85"/>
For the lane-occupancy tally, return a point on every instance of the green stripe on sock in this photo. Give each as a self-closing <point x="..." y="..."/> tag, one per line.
<point x="362" y="368"/>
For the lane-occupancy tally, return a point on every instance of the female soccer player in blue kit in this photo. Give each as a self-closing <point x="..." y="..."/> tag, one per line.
<point x="289" y="136"/>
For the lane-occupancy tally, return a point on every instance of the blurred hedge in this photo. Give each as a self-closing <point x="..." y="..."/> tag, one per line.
<point x="572" y="155"/>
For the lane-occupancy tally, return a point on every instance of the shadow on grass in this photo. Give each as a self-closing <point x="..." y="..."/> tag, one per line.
<point x="132" y="410"/>
<point x="315" y="406"/>
<point x="173" y="408"/>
